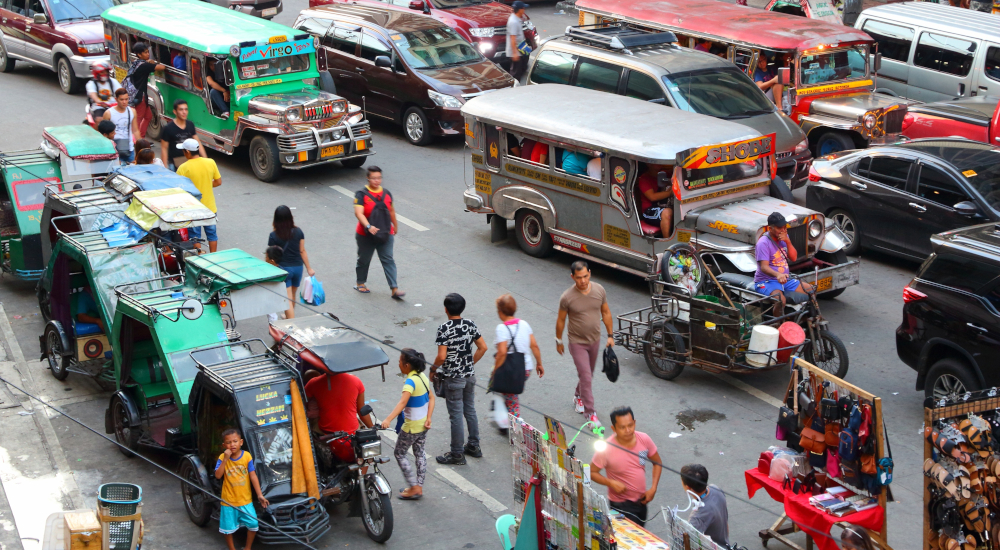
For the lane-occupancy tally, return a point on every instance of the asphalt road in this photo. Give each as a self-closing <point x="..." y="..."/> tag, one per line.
<point x="721" y="425"/>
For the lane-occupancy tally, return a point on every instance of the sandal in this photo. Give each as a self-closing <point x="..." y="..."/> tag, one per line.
<point x="941" y="477"/>
<point x="945" y="445"/>
<point x="362" y="289"/>
<point x="398" y="294"/>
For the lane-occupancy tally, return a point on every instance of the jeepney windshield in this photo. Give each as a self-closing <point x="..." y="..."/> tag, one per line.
<point x="435" y="48"/>
<point x="696" y="178"/>
<point x="726" y="93"/>
<point x="831" y="66"/>
<point x="273" y="67"/>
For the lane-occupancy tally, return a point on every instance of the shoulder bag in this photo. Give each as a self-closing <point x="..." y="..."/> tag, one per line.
<point x="509" y="377"/>
<point x="123" y="146"/>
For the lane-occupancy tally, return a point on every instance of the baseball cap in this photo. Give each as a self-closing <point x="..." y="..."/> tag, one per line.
<point x="191" y="144"/>
<point x="519" y="5"/>
<point x="774" y="220"/>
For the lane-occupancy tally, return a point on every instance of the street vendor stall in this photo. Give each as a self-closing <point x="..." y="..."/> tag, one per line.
<point x="837" y="464"/>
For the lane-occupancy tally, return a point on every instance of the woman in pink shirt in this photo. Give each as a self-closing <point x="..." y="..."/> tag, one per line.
<point x="625" y="461"/>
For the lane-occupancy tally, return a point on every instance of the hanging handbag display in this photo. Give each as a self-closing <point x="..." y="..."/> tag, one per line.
<point x="884" y="466"/>
<point x="787" y="423"/>
<point x="509" y="377"/>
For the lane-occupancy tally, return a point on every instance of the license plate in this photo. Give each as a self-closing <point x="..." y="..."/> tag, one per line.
<point x="269" y="12"/>
<point x="360" y="145"/>
<point x="825" y="283"/>
<point x="332" y="151"/>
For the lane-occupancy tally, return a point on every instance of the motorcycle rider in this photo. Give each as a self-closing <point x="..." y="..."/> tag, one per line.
<point x="334" y="400"/>
<point x="101" y="89"/>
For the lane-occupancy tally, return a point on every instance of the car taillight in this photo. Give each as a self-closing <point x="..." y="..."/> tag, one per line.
<point x="813" y="174"/>
<point x="907" y="120"/>
<point x="911" y="295"/>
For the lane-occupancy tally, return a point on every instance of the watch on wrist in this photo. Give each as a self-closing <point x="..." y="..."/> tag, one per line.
<point x="559" y="341"/>
<point x="367" y="227"/>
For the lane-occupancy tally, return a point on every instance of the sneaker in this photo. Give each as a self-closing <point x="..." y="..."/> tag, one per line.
<point x="473" y="451"/>
<point x="453" y="459"/>
<point x="578" y="405"/>
<point x="593" y="418"/>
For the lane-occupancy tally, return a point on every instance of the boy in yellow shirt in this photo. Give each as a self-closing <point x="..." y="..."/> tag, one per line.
<point x="237" y="503"/>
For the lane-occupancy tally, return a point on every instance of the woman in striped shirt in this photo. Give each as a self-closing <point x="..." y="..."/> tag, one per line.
<point x="417" y="406"/>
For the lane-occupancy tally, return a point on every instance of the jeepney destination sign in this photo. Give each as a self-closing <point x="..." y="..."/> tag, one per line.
<point x="272" y="51"/>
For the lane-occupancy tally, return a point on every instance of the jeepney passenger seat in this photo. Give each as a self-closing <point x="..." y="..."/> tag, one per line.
<point x="649" y="230"/>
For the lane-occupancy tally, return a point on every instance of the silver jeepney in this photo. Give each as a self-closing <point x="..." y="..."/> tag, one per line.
<point x="720" y="172"/>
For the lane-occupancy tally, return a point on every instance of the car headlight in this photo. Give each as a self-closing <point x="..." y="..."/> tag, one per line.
<point x="869" y="121"/>
<point x="371" y="450"/>
<point x="91" y="48"/>
<point x="339" y="106"/>
<point x="292" y="114"/>
<point x="485" y="47"/>
<point x="443" y="100"/>
<point x="802" y="147"/>
<point x="482" y="32"/>
<point x="815" y="229"/>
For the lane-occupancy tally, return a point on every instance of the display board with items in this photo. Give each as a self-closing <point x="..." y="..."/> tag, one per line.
<point x="962" y="462"/>
<point x="835" y="461"/>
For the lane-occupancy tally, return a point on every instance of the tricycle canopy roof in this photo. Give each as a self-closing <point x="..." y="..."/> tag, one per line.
<point x="638" y="129"/>
<point x="323" y="342"/>
<point x="200" y="26"/>
<point x="80" y="142"/>
<point x="741" y="24"/>
<point x="150" y="177"/>
<point x="231" y="269"/>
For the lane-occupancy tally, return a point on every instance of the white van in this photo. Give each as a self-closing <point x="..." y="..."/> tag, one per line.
<point x="934" y="52"/>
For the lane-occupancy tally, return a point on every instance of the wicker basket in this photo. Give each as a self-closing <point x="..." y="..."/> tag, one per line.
<point x="119" y="507"/>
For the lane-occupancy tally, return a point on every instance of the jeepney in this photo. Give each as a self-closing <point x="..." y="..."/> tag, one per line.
<point x="720" y="173"/>
<point x="74" y="153"/>
<point x="832" y="91"/>
<point x="272" y="73"/>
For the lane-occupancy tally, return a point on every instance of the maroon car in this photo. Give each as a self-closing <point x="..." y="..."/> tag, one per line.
<point x="481" y="22"/>
<point x="66" y="36"/>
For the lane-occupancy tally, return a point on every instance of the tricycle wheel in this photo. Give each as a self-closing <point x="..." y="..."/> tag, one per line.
<point x="196" y="503"/>
<point x="44" y="306"/>
<point x="377" y="516"/>
<point x="664" y="342"/>
<point x="125" y="434"/>
<point x="828" y="354"/>
<point x="55" y="345"/>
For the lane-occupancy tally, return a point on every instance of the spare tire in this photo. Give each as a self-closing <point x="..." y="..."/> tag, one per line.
<point x="780" y="190"/>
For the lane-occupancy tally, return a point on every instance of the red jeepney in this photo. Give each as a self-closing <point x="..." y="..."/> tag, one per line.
<point x="831" y="94"/>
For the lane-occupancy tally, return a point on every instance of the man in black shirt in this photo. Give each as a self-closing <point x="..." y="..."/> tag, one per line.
<point x="138" y="74"/>
<point x="176" y="132"/>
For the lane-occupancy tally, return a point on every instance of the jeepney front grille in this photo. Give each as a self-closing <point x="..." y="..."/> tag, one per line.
<point x="362" y="130"/>
<point x="296" y="142"/>
<point x="319" y="112"/>
<point x="798" y="236"/>
<point x="894" y="121"/>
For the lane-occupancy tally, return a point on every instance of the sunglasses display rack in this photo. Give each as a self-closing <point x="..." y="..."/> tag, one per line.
<point x="962" y="472"/>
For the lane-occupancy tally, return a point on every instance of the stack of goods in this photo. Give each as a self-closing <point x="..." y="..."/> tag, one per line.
<point x="964" y="468"/>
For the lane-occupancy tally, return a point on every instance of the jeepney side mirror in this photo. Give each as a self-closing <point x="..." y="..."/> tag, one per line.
<point x="39" y="19"/>
<point x="321" y="61"/>
<point x="663" y="180"/>
<point x="784" y="76"/>
<point x="383" y="61"/>
<point x="877" y="63"/>
<point x="227" y="72"/>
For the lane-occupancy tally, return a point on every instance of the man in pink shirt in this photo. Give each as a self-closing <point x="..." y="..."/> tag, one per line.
<point x="625" y="461"/>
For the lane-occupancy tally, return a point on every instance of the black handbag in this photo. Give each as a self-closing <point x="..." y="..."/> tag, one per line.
<point x="610" y="364"/>
<point x="509" y="377"/>
<point x="788" y="420"/>
<point x="829" y="409"/>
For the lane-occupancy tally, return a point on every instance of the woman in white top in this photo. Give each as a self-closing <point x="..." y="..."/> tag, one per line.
<point x="126" y="127"/>
<point x="520" y="331"/>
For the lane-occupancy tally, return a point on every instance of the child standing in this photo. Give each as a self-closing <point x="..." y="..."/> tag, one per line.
<point x="237" y="506"/>
<point x="417" y="404"/>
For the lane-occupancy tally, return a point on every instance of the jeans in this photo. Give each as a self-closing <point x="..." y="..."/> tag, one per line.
<point x="210" y="233"/>
<point x="585" y="358"/>
<point x="632" y="509"/>
<point x="142" y="117"/>
<point x="127" y="158"/>
<point x="219" y="101"/>
<point x="460" y="397"/>
<point x="367" y="246"/>
<point x="403" y="442"/>
<point x="517" y="68"/>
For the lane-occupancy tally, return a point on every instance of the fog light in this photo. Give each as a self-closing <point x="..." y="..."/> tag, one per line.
<point x="303" y="156"/>
<point x="289" y="158"/>
<point x="485" y="47"/>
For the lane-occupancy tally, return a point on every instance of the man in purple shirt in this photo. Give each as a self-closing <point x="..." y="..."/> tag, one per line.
<point x="774" y="252"/>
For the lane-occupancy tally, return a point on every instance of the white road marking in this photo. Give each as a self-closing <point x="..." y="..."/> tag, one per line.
<point x="462" y="484"/>
<point x="751" y="390"/>
<point x="402" y="219"/>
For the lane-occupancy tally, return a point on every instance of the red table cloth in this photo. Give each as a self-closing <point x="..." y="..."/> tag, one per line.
<point x="814" y="522"/>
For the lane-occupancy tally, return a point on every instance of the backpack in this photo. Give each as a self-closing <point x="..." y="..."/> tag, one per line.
<point x="848" y="448"/>
<point x="133" y="92"/>
<point x="380" y="217"/>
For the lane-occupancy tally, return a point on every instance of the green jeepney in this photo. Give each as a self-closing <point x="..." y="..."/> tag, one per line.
<point x="281" y="102"/>
<point x="67" y="156"/>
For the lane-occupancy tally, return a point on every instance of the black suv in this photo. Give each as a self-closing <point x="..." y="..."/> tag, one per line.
<point x="951" y="314"/>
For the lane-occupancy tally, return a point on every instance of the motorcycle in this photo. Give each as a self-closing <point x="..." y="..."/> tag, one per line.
<point x="95" y="111"/>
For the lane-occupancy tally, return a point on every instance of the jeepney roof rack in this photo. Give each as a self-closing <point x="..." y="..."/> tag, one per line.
<point x="619" y="36"/>
<point x="245" y="369"/>
<point x="93" y="195"/>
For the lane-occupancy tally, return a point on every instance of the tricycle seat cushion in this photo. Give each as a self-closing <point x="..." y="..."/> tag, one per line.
<point x="83" y="329"/>
<point x="648" y="229"/>
<point x="745" y="282"/>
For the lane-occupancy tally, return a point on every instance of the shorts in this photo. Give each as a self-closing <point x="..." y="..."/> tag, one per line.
<point x="767" y="287"/>
<point x="294" y="277"/>
<point x="210" y="233"/>
<point x="231" y="519"/>
<point x="653" y="213"/>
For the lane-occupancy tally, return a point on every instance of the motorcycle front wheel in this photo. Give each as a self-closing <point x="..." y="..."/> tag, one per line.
<point x="829" y="354"/>
<point x="377" y="515"/>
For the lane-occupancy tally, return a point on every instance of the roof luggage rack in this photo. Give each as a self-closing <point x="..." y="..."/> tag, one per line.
<point x="247" y="369"/>
<point x="619" y="36"/>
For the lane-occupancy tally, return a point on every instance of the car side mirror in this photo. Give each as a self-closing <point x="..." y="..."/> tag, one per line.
<point x="227" y="73"/>
<point x="383" y="61"/>
<point x="417" y="5"/>
<point x="659" y="100"/>
<point x="365" y="411"/>
<point x="321" y="61"/>
<point x="784" y="76"/>
<point x="966" y="208"/>
<point x="877" y="63"/>
<point x="39" y="19"/>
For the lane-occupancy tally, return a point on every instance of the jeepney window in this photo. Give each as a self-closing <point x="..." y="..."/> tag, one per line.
<point x="578" y="163"/>
<point x="344" y="40"/>
<point x="944" y="54"/>
<point x="698" y="178"/>
<point x="493" y="146"/>
<point x="819" y="68"/>
<point x="595" y="75"/>
<point x="992" y="68"/>
<point x="743" y="58"/>
<point x="642" y="86"/>
<point x="30" y="195"/>
<point x="553" y="67"/>
<point x="186" y="369"/>
<point x="197" y="77"/>
<point x="893" y="41"/>
<point x="273" y="66"/>
<point x="529" y="149"/>
<point x="123" y="48"/>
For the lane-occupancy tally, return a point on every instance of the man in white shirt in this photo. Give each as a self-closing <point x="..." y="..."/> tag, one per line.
<point x="515" y="36"/>
<point x="101" y="89"/>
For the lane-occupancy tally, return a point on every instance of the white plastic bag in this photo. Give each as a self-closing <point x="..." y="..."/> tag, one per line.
<point x="306" y="290"/>
<point x="500" y="412"/>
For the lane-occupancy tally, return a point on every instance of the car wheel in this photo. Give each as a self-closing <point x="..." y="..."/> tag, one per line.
<point x="532" y="237"/>
<point x="6" y="62"/>
<point x="67" y="78"/>
<point x="416" y="128"/>
<point x="264" y="158"/>
<point x="949" y="378"/>
<point x="155" y="127"/>
<point x="356" y="162"/>
<point x="849" y="227"/>
<point x="831" y="142"/>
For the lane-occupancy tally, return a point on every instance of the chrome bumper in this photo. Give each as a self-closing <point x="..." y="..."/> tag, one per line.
<point x="81" y="65"/>
<point x="835" y="277"/>
<point x="313" y="142"/>
<point x="473" y="201"/>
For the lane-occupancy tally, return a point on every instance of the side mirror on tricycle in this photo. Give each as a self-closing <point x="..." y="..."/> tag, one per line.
<point x="365" y="411"/>
<point x="784" y="76"/>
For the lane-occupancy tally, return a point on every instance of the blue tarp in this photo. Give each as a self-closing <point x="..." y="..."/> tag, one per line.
<point x="151" y="177"/>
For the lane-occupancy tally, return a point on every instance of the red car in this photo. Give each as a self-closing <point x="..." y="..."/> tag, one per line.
<point x="975" y="118"/>
<point x="482" y="22"/>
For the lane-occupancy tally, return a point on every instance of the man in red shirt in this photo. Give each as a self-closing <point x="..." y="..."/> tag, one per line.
<point x="335" y="400"/>
<point x="367" y="236"/>
<point x="657" y="205"/>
